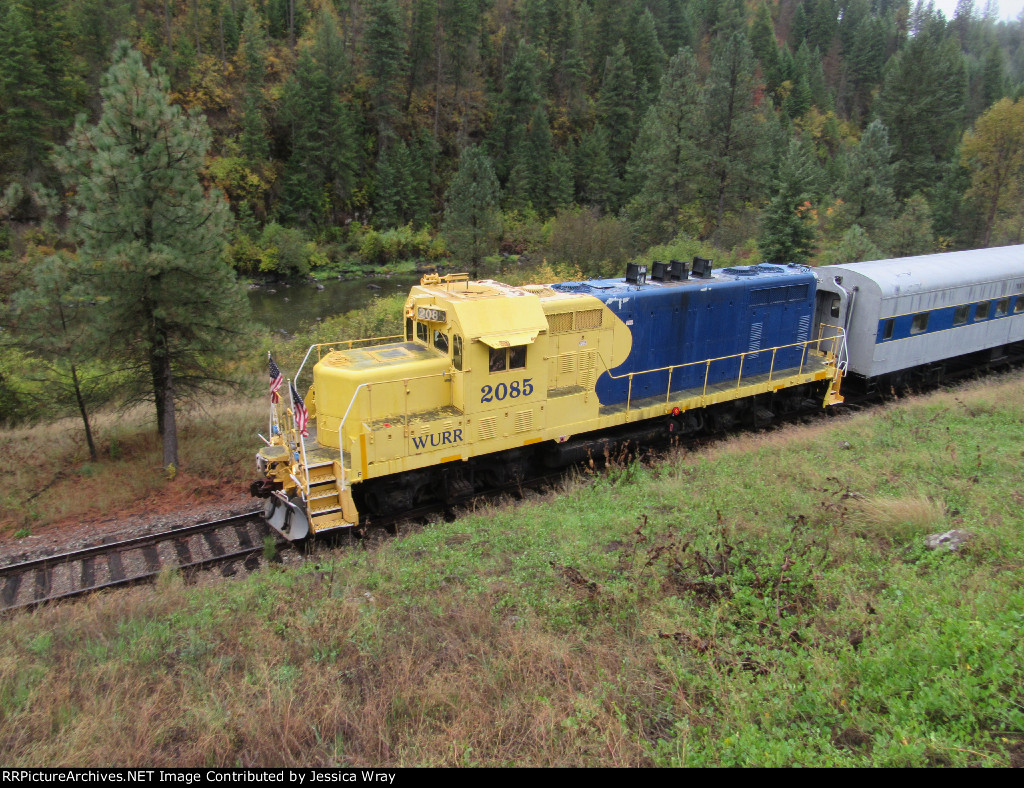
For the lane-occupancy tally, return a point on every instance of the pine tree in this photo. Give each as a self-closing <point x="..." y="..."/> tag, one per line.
<point x="252" y="54"/>
<point x="325" y="155"/>
<point x="922" y="105"/>
<point x="648" y="58"/>
<point x="519" y="99"/>
<point x="617" y="106"/>
<point x="762" y="41"/>
<point x="169" y="306"/>
<point x="528" y="185"/>
<point x="788" y="232"/>
<point x="666" y="156"/>
<point x="596" y="183"/>
<point x="471" y="221"/>
<point x="867" y="191"/>
<point x="49" y="321"/>
<point x="37" y="83"/>
<point x="385" y="53"/>
<point x="731" y="135"/>
<point x="911" y="232"/>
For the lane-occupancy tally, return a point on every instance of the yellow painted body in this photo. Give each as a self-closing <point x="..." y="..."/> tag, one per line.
<point x="417" y="402"/>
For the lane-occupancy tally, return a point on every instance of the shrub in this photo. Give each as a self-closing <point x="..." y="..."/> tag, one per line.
<point x="598" y="245"/>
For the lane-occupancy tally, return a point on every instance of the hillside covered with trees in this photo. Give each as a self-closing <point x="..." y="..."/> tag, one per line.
<point x="363" y="132"/>
<point x="819" y="129"/>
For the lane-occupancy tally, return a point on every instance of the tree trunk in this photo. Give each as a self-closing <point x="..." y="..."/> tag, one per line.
<point x="169" y="424"/>
<point x="85" y="414"/>
<point x="158" y="393"/>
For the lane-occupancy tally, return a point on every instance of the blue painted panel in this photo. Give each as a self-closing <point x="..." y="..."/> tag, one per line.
<point x="739" y="310"/>
<point x="942" y="319"/>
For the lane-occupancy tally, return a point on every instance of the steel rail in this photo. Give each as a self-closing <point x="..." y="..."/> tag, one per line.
<point x="42" y="568"/>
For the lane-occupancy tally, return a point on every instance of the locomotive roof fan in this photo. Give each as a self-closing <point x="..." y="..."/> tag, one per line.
<point x="702" y="267"/>
<point x="659" y="272"/>
<point x="678" y="271"/>
<point x="636" y="274"/>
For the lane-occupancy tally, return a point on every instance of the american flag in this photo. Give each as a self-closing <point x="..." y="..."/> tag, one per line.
<point x="301" y="414"/>
<point x="276" y="379"/>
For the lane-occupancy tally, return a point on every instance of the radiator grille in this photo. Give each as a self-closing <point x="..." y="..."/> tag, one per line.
<point x="589" y="319"/>
<point x="487" y="428"/>
<point x="560" y="323"/>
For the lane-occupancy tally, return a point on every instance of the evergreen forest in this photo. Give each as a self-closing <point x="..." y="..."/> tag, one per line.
<point x="793" y="130"/>
<point x="150" y="149"/>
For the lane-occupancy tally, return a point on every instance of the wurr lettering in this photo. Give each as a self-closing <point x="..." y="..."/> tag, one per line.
<point x="437" y="439"/>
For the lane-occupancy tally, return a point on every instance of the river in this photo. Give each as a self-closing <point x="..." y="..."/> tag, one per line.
<point x="288" y="308"/>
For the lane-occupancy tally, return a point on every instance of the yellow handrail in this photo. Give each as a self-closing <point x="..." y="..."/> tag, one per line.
<point x="832" y="343"/>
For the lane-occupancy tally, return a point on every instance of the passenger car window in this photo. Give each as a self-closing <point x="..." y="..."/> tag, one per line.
<point x="1002" y="307"/>
<point x="888" y="328"/>
<point x="1019" y="305"/>
<point x="982" y="311"/>
<point x="920" y="323"/>
<point x="961" y="314"/>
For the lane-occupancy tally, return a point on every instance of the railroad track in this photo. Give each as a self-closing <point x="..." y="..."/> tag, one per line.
<point x="132" y="561"/>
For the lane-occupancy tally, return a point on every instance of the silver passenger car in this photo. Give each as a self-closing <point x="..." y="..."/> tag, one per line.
<point x="909" y="311"/>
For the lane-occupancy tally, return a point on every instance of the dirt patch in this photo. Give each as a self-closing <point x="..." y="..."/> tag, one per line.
<point x="184" y="501"/>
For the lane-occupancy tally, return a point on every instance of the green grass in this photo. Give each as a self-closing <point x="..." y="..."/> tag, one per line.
<point x="768" y="601"/>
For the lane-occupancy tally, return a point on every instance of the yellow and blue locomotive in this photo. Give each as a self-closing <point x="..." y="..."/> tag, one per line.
<point x="490" y="379"/>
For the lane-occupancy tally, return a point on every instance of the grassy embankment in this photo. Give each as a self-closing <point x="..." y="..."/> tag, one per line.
<point x="768" y="601"/>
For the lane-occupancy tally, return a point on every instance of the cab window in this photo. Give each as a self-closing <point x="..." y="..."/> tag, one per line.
<point x="507" y="358"/>
<point x="834" y="309"/>
<point x="457" y="351"/>
<point x="441" y="341"/>
<point x="408" y="329"/>
<point x="421" y="332"/>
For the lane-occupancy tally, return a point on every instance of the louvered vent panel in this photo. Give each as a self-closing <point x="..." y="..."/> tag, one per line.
<point x="487" y="429"/>
<point x="758" y="297"/>
<point x="560" y="324"/>
<point x="588" y="363"/>
<point x="567" y="364"/>
<point x="524" y="420"/>
<point x="589" y="319"/>
<point x="804" y="329"/>
<point x="755" y="338"/>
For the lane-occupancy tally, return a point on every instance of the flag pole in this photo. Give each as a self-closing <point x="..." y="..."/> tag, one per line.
<point x="299" y="438"/>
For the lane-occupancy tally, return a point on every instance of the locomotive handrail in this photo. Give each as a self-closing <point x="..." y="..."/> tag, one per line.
<point x="839" y="339"/>
<point x="350" y="342"/>
<point x="355" y="394"/>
